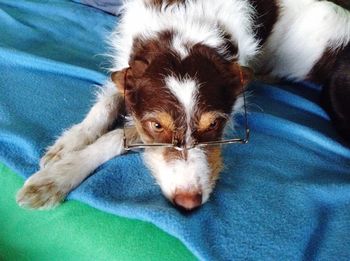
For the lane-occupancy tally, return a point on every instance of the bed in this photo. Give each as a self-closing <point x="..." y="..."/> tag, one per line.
<point x="283" y="196"/>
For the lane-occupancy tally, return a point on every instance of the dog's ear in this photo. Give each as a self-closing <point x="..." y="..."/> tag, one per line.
<point x="119" y="79"/>
<point x="124" y="79"/>
<point x="245" y="74"/>
<point x="138" y="67"/>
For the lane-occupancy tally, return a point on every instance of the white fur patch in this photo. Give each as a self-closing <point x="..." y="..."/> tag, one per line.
<point x="201" y="21"/>
<point x="179" y="46"/>
<point x="185" y="90"/>
<point x="304" y="31"/>
<point x="185" y="175"/>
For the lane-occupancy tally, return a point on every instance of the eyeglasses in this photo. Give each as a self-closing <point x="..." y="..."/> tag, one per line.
<point x="175" y="143"/>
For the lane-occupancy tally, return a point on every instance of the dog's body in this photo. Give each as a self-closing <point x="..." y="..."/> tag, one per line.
<point x="178" y="67"/>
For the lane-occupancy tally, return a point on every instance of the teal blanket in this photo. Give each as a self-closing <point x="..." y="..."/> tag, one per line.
<point x="284" y="196"/>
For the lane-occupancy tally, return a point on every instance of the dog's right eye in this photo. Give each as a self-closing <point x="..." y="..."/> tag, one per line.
<point x="213" y="125"/>
<point x="156" y="126"/>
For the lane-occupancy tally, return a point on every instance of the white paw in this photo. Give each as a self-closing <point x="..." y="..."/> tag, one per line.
<point x="72" y="140"/>
<point x="41" y="192"/>
<point x="53" y="154"/>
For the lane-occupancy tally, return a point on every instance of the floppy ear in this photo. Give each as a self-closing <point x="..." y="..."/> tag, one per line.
<point x="119" y="79"/>
<point x="124" y="79"/>
<point x="139" y="67"/>
<point x="246" y="74"/>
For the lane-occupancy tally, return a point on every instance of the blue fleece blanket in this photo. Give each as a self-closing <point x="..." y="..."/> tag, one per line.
<point x="284" y="196"/>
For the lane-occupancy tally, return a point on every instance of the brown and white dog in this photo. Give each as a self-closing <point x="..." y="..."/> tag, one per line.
<point x="177" y="66"/>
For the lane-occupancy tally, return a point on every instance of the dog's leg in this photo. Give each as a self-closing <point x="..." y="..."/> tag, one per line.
<point x="49" y="186"/>
<point x="95" y="124"/>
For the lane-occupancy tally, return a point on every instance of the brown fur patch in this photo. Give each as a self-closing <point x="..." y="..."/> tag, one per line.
<point x="215" y="163"/>
<point x="343" y="3"/>
<point x="324" y="68"/>
<point x="267" y="12"/>
<point x="171" y="154"/>
<point x="144" y="136"/>
<point x="148" y="135"/>
<point x="163" y="118"/>
<point x="207" y="118"/>
<point x="230" y="46"/>
<point x="332" y="71"/>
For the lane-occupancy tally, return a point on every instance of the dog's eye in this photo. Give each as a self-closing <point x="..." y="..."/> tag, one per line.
<point x="156" y="127"/>
<point x="213" y="125"/>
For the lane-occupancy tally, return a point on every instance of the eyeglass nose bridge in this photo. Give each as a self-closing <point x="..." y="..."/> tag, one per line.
<point x="184" y="148"/>
<point x="178" y="147"/>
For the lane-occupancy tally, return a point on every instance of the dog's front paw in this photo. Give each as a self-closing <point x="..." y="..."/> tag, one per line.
<point x="53" y="154"/>
<point x="41" y="192"/>
<point x="72" y="140"/>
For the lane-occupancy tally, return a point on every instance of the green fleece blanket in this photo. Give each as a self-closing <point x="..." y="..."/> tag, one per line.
<point x="76" y="231"/>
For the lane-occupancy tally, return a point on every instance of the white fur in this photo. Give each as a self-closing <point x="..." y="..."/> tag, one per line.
<point x="304" y="31"/>
<point x="185" y="175"/>
<point x="53" y="183"/>
<point x="179" y="46"/>
<point x="185" y="90"/>
<point x="238" y="109"/>
<point x="201" y="21"/>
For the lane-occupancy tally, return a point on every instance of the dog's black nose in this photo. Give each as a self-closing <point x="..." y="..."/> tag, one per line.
<point x="188" y="201"/>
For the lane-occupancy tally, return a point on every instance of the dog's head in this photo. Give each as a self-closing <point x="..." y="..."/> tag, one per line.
<point x="187" y="98"/>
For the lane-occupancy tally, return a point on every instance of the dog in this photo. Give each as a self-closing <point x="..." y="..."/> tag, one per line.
<point x="179" y="67"/>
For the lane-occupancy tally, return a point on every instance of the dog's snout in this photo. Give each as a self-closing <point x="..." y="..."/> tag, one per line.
<point x="188" y="201"/>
